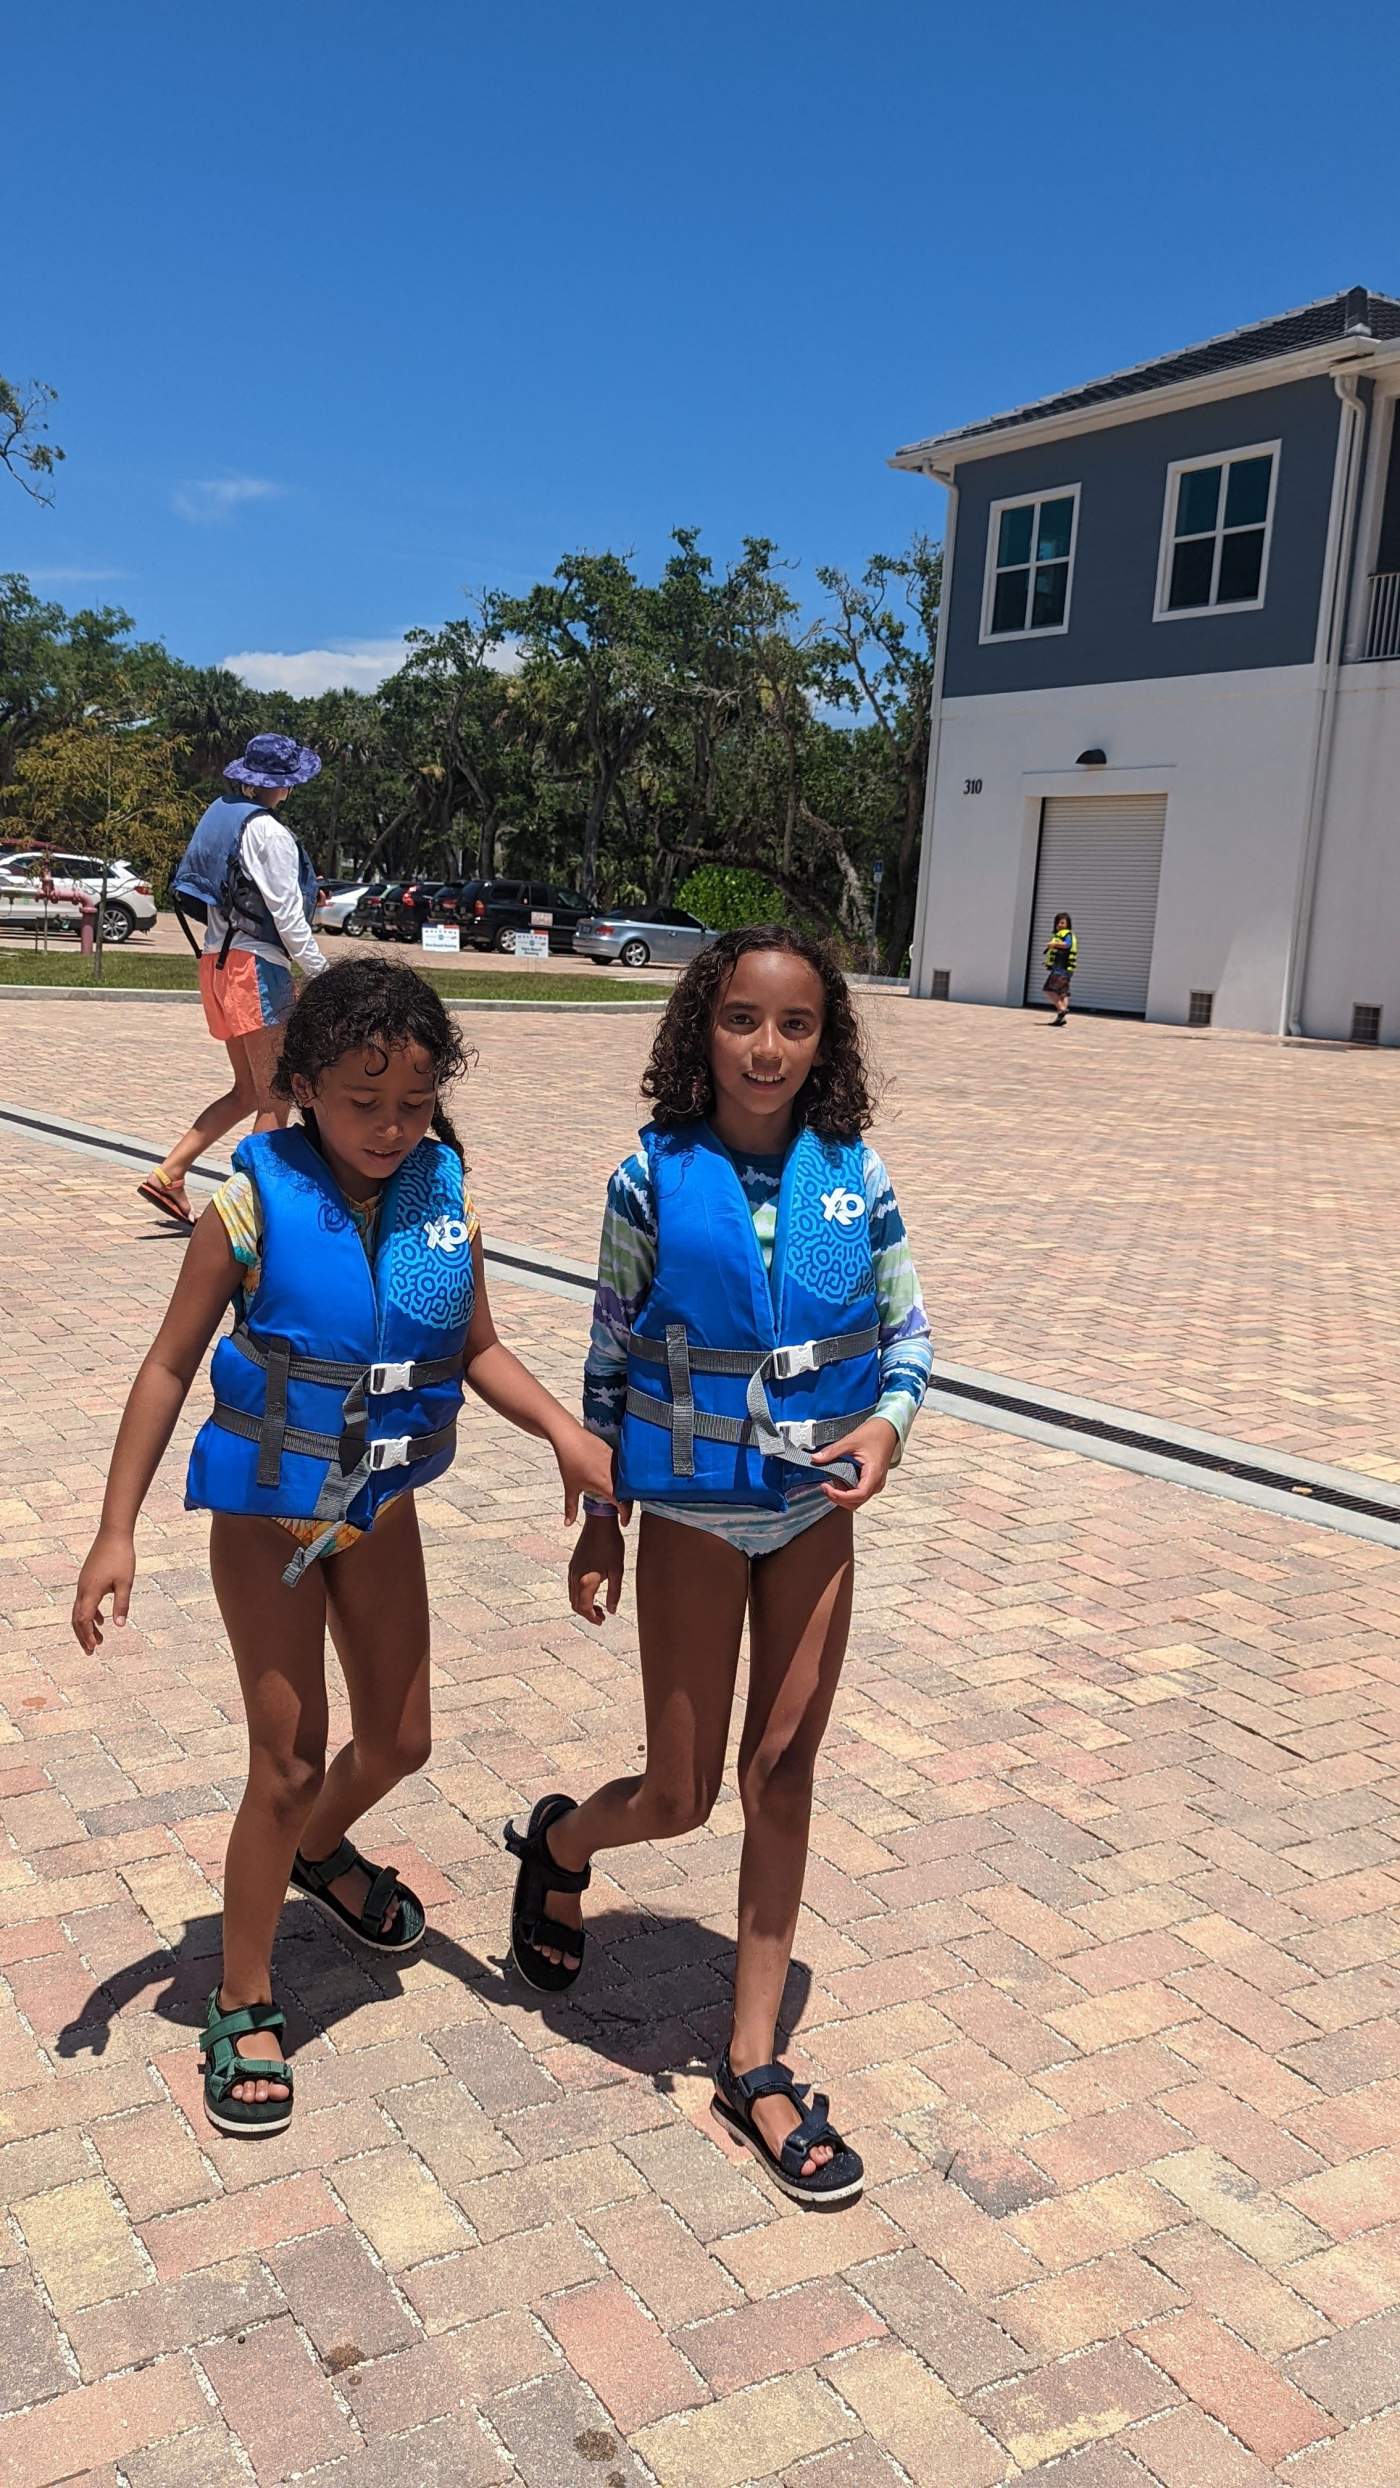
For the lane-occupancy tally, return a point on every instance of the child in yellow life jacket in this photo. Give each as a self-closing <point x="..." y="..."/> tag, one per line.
<point x="1061" y="960"/>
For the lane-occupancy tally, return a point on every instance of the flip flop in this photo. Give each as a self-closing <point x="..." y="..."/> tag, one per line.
<point x="160" y="1192"/>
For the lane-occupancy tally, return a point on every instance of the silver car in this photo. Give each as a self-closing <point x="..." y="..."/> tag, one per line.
<point x="130" y="907"/>
<point x="639" y="937"/>
<point x="340" y="901"/>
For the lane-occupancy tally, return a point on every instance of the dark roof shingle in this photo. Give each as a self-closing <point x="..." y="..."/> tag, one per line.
<point x="1317" y="323"/>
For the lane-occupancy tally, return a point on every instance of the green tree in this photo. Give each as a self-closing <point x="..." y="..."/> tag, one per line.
<point x="57" y="667"/>
<point x="24" y="421"/>
<point x="724" y="897"/>
<point x="590" y="677"/>
<point x="877" y="656"/>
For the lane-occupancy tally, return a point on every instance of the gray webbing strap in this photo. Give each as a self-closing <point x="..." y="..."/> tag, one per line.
<point x="274" y="1417"/>
<point x="781" y="1364"/>
<point x="339" y="1489"/>
<point x="682" y="1401"/>
<point x="294" y="1437"/>
<point x="354" y="1419"/>
<point x="412" y="1375"/>
<point x="815" y="1432"/>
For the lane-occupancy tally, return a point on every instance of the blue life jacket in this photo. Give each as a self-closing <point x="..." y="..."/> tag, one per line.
<point x="341" y="1385"/>
<point x="212" y="873"/>
<point x="736" y="1375"/>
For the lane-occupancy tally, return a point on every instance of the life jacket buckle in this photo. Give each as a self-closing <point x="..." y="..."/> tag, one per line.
<point x="390" y="1451"/>
<point x="799" y="1358"/>
<point x="383" y="1378"/>
<point x="800" y="1432"/>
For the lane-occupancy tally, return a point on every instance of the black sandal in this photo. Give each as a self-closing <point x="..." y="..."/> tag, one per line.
<point x="223" y="2067"/>
<point x="835" y="2181"/>
<point x="530" y="1925"/>
<point x="314" y="1877"/>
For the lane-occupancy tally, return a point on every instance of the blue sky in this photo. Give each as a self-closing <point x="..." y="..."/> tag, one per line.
<point x="352" y="309"/>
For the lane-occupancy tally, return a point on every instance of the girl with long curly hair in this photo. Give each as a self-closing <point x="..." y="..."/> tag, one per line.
<point x="758" y="1355"/>
<point x="349" y="1248"/>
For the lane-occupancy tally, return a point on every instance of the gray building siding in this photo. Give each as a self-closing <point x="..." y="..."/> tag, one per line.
<point x="1122" y="473"/>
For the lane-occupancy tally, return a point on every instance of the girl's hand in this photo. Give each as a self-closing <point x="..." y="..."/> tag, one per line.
<point x="872" y="1446"/>
<point x="586" y="1467"/>
<point x="110" y="1565"/>
<point x="598" y="1556"/>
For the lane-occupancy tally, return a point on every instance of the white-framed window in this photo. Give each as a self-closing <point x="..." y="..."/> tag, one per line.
<point x="1217" y="522"/>
<point x="1030" y="564"/>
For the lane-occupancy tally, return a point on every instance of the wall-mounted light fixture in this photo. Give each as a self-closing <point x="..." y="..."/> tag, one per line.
<point x="1094" y="758"/>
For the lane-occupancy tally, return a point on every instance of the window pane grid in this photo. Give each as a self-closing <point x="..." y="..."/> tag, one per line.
<point x="1218" y="536"/>
<point x="1031" y="562"/>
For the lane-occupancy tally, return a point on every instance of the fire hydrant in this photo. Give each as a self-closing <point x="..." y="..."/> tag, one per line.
<point x="87" y="930"/>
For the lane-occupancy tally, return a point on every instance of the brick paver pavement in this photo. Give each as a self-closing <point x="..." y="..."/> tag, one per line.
<point x="1100" y="1963"/>
<point x="1195" y="1226"/>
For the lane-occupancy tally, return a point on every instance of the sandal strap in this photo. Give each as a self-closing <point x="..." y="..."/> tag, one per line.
<point x="226" y="2027"/>
<point x="542" y="1931"/>
<point x="766" y="2081"/>
<point x="383" y="1891"/>
<point x="530" y="1847"/>
<point x="220" y="2078"/>
<point x="321" y="1871"/>
<point x="816" y="2127"/>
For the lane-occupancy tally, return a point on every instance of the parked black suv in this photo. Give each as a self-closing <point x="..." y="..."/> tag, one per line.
<point x="408" y="907"/>
<point x="491" y="913"/>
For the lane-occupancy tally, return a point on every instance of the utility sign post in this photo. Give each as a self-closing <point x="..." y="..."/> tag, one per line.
<point x="877" y="875"/>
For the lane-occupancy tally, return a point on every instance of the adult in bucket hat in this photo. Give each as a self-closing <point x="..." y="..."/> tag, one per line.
<point x="253" y="887"/>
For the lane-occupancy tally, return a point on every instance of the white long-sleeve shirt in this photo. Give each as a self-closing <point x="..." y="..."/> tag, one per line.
<point x="270" y="853"/>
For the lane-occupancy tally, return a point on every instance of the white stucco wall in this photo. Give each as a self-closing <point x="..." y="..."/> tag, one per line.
<point x="1231" y="753"/>
<point x="1354" y="952"/>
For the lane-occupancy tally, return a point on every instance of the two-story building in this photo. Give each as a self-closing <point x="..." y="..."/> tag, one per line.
<point x="1167" y="693"/>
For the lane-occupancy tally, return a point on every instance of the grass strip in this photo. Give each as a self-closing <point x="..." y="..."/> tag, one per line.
<point x="167" y="972"/>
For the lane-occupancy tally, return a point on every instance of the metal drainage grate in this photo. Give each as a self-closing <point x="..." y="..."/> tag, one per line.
<point x="1201" y="1006"/>
<point x="938" y="987"/>
<point x="1365" y="1023"/>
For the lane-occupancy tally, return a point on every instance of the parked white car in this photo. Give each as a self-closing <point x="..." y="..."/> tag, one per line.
<point x="340" y="902"/>
<point x="130" y="906"/>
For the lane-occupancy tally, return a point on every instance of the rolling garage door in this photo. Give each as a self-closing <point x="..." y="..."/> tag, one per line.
<point x="1100" y="857"/>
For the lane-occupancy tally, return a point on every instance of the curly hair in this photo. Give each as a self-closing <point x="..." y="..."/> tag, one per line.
<point x="836" y="1098"/>
<point x="367" y="1002"/>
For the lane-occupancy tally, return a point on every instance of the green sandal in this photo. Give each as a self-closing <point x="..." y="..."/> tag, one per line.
<point x="314" y="1877"/>
<point x="223" y="2067"/>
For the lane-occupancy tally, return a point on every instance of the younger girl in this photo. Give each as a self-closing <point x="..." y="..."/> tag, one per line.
<point x="1061" y="960"/>
<point x="349" y="1246"/>
<point x="759" y="1351"/>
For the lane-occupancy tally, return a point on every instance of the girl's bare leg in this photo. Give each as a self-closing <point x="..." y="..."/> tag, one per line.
<point x="377" y="1606"/>
<point x="799" y="1619"/>
<point x="278" y="1639"/>
<point x="692" y="1592"/>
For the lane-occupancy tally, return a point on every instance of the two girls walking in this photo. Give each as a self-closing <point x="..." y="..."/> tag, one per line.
<point x="759" y="1352"/>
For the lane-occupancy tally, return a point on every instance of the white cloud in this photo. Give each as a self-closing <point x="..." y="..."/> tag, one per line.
<point x="220" y="497"/>
<point x="353" y="665"/>
<point x="356" y="665"/>
<point x="75" y="577"/>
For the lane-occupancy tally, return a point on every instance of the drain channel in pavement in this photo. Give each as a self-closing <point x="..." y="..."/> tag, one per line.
<point x="1123" y="1438"/>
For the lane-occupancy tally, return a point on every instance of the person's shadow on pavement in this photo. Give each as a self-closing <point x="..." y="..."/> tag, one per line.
<point x="655" y="2000"/>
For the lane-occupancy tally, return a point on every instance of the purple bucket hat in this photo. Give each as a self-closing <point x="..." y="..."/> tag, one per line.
<point x="274" y="760"/>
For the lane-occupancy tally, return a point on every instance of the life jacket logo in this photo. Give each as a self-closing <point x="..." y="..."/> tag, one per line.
<point x="841" y="1207"/>
<point x="444" y="1235"/>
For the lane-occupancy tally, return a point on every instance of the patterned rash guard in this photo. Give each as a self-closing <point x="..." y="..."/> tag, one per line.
<point x="626" y="1262"/>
